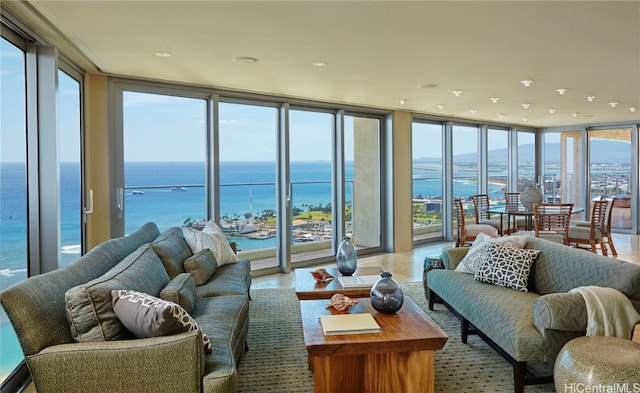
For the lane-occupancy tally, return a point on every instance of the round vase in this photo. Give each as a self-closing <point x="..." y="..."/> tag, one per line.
<point x="346" y="257"/>
<point x="386" y="295"/>
<point x="529" y="196"/>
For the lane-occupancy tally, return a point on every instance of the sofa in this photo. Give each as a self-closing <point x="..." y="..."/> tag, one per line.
<point x="530" y="326"/>
<point x="71" y="322"/>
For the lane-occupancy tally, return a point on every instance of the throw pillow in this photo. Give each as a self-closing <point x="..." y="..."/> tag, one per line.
<point x="201" y="265"/>
<point x="182" y="290"/>
<point x="507" y="266"/>
<point x="224" y="253"/>
<point x="473" y="259"/>
<point x="147" y="316"/>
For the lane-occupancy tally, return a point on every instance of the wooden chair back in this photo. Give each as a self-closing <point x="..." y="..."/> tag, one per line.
<point x="481" y="205"/>
<point x="552" y="217"/>
<point x="512" y="201"/>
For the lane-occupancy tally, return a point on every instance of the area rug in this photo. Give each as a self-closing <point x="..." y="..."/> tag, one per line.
<point x="277" y="360"/>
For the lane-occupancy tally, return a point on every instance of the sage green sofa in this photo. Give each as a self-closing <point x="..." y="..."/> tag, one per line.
<point x="530" y="327"/>
<point x="84" y="356"/>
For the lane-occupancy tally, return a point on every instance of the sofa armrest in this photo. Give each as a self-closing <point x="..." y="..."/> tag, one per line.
<point x="560" y="311"/>
<point x="452" y="257"/>
<point x="162" y="364"/>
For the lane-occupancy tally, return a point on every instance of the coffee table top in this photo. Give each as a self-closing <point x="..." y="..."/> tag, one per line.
<point x="308" y="288"/>
<point x="410" y="329"/>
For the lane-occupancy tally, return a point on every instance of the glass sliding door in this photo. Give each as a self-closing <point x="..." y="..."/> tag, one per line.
<point x="610" y="172"/>
<point x="311" y="141"/>
<point x="247" y="159"/>
<point x="564" y="164"/>
<point x="362" y="181"/>
<point x="70" y="170"/>
<point x="426" y="168"/>
<point x="164" y="148"/>
<point x="13" y="192"/>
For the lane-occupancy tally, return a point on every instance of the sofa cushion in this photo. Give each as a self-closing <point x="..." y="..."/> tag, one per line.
<point x="88" y="305"/>
<point x="181" y="290"/>
<point x="506" y="266"/>
<point x="232" y="279"/>
<point x="147" y="316"/>
<point x="201" y="266"/>
<point x="473" y="258"/>
<point x="172" y="250"/>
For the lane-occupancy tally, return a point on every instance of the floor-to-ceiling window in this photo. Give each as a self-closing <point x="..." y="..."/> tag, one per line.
<point x="610" y="172"/>
<point x="564" y="165"/>
<point x="526" y="167"/>
<point x="70" y="170"/>
<point x="13" y="192"/>
<point x="426" y="180"/>
<point x="247" y="194"/>
<point x="497" y="163"/>
<point x="164" y="148"/>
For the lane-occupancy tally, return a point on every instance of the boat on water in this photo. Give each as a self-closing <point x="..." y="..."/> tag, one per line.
<point x="179" y="189"/>
<point x="137" y="192"/>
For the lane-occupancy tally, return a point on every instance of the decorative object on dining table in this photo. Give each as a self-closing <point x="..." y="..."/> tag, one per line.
<point x="346" y="257"/>
<point x="321" y="275"/>
<point x="341" y="302"/>
<point x="529" y="196"/>
<point x="386" y="295"/>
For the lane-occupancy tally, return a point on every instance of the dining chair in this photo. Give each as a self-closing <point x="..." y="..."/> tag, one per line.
<point x="483" y="216"/>
<point x="594" y="233"/>
<point x="512" y="200"/>
<point x="467" y="232"/>
<point x="606" y="235"/>
<point x="551" y="221"/>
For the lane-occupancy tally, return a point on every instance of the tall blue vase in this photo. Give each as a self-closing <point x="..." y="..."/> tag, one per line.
<point x="346" y="257"/>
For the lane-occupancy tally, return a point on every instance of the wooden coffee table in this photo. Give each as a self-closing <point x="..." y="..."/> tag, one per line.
<point x="400" y="358"/>
<point x="307" y="288"/>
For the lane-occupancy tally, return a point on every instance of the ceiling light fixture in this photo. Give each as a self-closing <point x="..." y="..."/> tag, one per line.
<point x="525" y="119"/>
<point x="245" y="60"/>
<point x="561" y="91"/>
<point x="403" y="101"/>
<point x="552" y="110"/>
<point x="574" y="114"/>
<point x="526" y="106"/>
<point x="495" y="99"/>
<point x="473" y="111"/>
<point x="526" y="82"/>
<point x="591" y="98"/>
<point x="613" y="104"/>
<point x="500" y="115"/>
<point x="632" y="109"/>
<point x="457" y="93"/>
<point x="441" y="107"/>
<point x="163" y="54"/>
<point x="319" y="64"/>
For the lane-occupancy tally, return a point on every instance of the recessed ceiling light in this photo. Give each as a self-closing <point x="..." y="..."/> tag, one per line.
<point x="552" y="110"/>
<point x="473" y="111"/>
<point x="163" y="54"/>
<point x="575" y="114"/>
<point x="526" y="82"/>
<point x="561" y="91"/>
<point x="245" y="60"/>
<point x="403" y="101"/>
<point x="495" y="99"/>
<point x="526" y="106"/>
<point x="428" y="86"/>
<point x="632" y="109"/>
<point x="441" y="107"/>
<point x="500" y="115"/>
<point x="457" y="93"/>
<point x="525" y="119"/>
<point x="591" y="98"/>
<point x="319" y="64"/>
<point x="613" y="104"/>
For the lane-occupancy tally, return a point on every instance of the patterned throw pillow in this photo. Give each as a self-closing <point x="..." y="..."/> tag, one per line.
<point x="210" y="237"/>
<point x="477" y="251"/>
<point x="507" y="266"/>
<point x="147" y="316"/>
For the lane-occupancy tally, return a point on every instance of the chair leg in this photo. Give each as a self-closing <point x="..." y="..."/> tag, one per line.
<point x="613" y="249"/>
<point x="603" y="247"/>
<point x="593" y="246"/>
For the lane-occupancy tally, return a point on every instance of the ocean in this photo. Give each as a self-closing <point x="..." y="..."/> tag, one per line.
<point x="169" y="193"/>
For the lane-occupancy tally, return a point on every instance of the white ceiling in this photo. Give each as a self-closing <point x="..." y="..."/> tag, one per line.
<point x="377" y="52"/>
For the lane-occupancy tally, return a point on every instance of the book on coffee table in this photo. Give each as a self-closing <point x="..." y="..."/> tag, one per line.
<point x="358" y="281"/>
<point x="349" y="324"/>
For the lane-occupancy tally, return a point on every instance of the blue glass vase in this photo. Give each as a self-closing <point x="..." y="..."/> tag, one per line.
<point x="386" y="295"/>
<point x="346" y="257"/>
